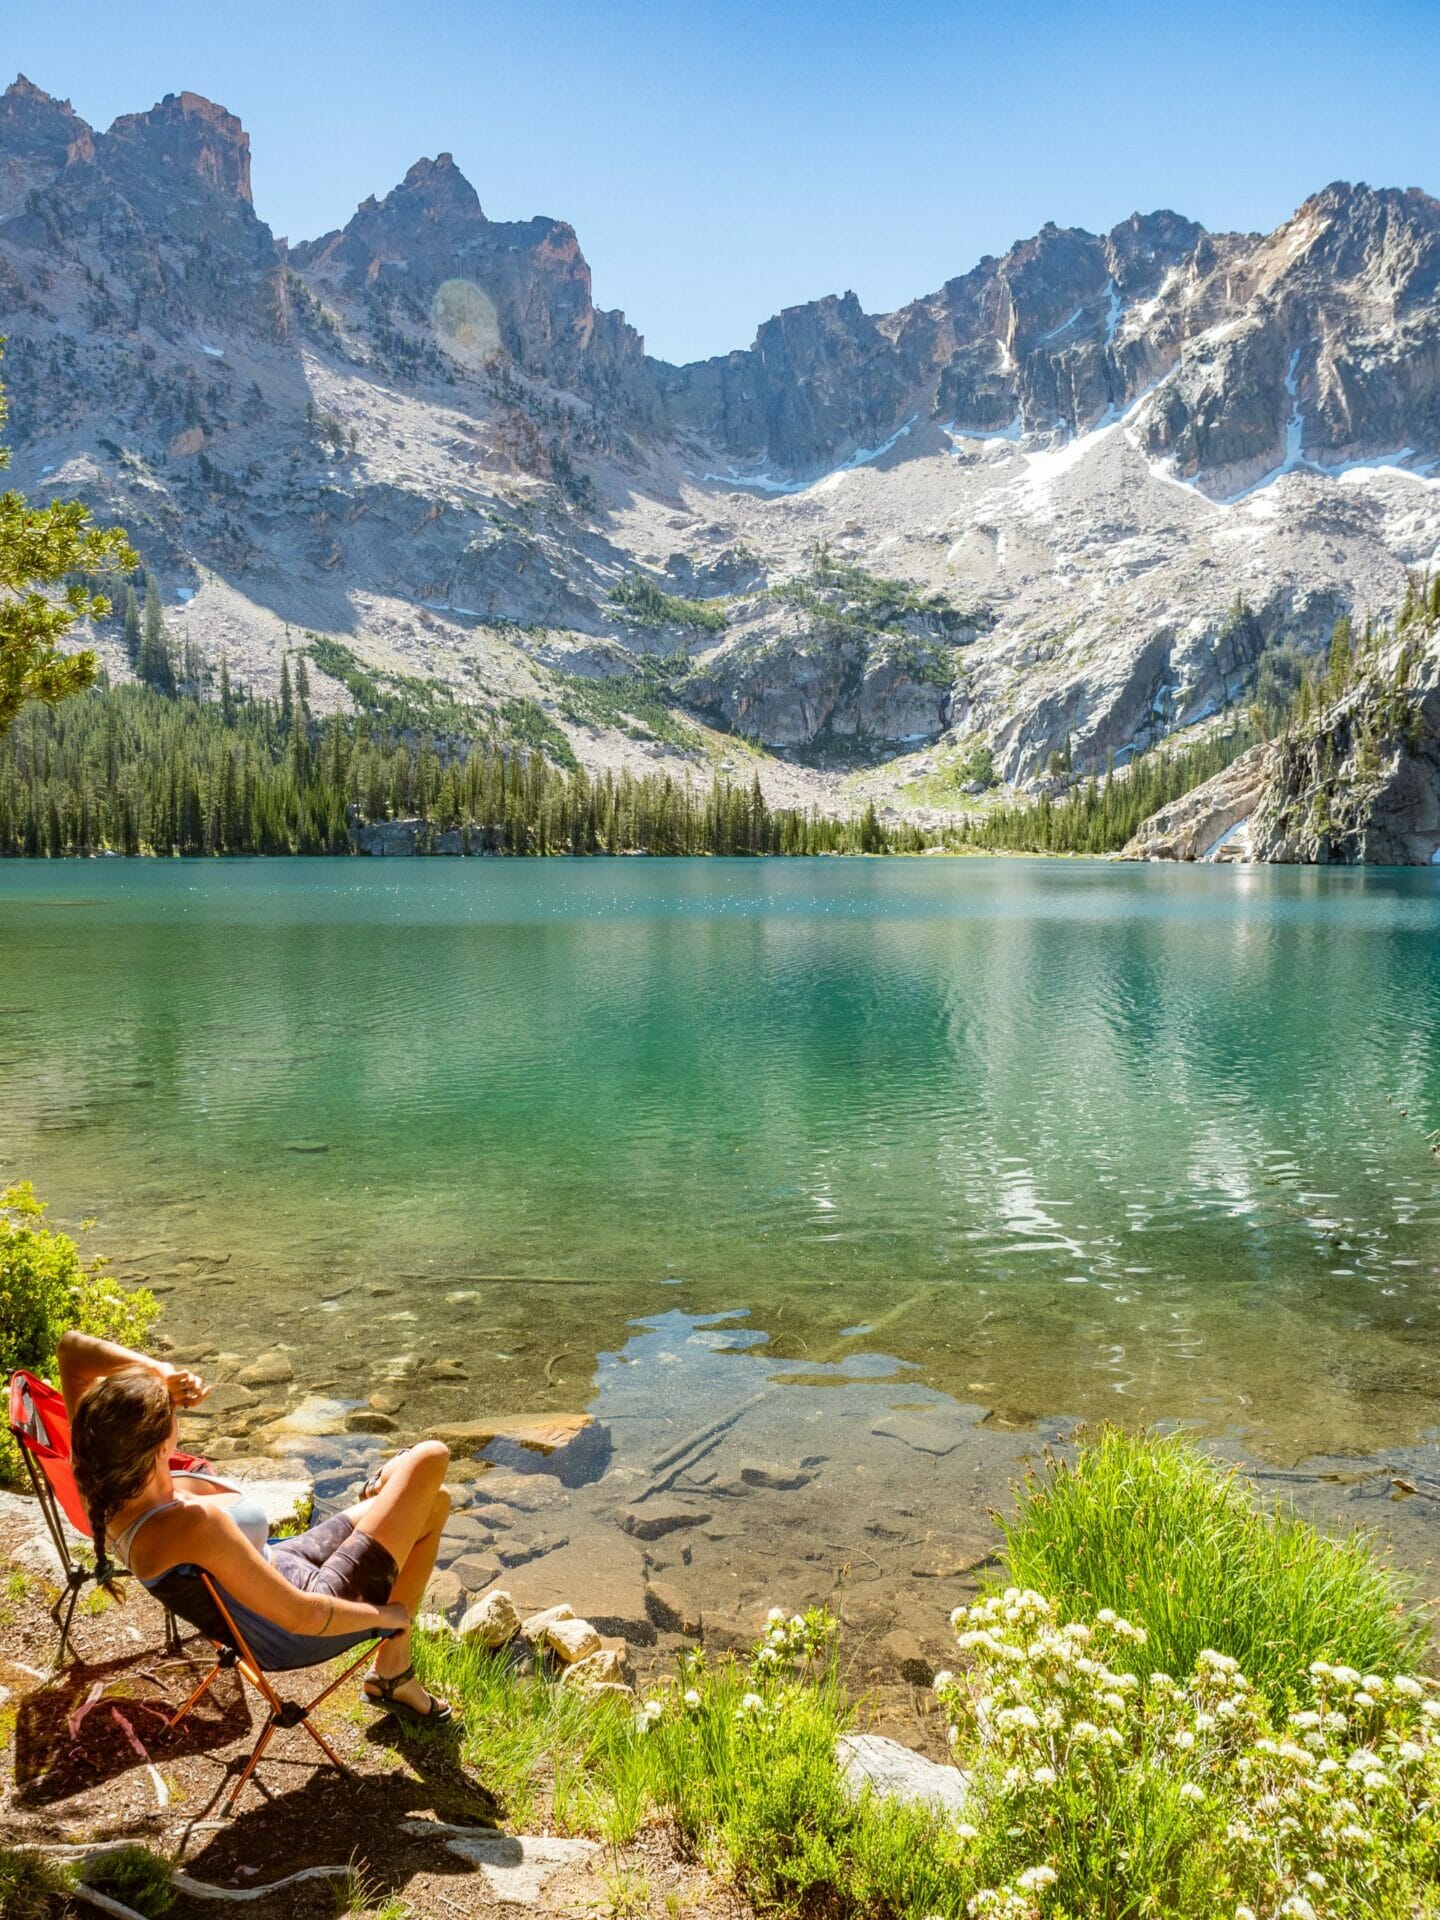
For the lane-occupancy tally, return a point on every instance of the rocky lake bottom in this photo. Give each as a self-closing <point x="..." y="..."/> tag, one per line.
<point x="829" y="1193"/>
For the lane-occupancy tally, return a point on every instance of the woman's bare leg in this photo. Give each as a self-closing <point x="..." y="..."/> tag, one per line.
<point x="407" y="1515"/>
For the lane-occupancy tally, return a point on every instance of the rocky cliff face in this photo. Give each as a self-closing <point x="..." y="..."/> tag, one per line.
<point x="1359" y="783"/>
<point x="521" y="288"/>
<point x="1132" y="464"/>
<point x="1317" y="343"/>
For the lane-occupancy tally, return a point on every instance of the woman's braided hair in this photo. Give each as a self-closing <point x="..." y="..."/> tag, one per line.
<point x="120" y="1425"/>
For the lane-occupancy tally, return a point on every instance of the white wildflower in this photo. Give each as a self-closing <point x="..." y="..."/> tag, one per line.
<point x="692" y="1697"/>
<point x="1034" y="1878"/>
<point x="1410" y="1689"/>
<point x="1021" y="1716"/>
<point x="1217" y="1662"/>
<point x="1191" y="1792"/>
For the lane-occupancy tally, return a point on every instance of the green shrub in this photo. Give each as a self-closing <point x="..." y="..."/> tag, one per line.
<point x="134" y="1876"/>
<point x="1102" y="1785"/>
<point x="46" y="1288"/>
<point x="1154" y="1529"/>
<point x="647" y="605"/>
<point x="30" y="1885"/>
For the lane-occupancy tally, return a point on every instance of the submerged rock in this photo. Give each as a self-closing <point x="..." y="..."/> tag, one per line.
<point x="269" y="1370"/>
<point x="537" y="1433"/>
<point x="653" y="1523"/>
<point x="671" y="1610"/>
<point x="316" y="1417"/>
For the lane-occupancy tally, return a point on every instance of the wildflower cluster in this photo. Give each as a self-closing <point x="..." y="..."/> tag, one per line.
<point x="1068" y="1736"/>
<point x="791" y="1641"/>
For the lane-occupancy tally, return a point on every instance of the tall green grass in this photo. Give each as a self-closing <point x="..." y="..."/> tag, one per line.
<point x="522" y="1739"/>
<point x="758" y="1798"/>
<point x="31" y="1887"/>
<point x="1176" y="1543"/>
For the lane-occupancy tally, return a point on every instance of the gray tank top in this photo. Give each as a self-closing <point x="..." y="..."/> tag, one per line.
<point x="245" y="1510"/>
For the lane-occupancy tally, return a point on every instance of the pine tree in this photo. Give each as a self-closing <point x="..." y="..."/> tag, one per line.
<point x="286" y="696"/>
<point x="1341" y="655"/>
<point x="156" y="668"/>
<point x="299" y="744"/>
<point x="132" y="627"/>
<point x="47" y="554"/>
<point x="227" y="699"/>
<point x="302" y="684"/>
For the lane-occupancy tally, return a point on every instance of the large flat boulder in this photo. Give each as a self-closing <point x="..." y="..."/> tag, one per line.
<point x="894" y="1772"/>
<point x="515" y="1866"/>
<point x="543" y="1433"/>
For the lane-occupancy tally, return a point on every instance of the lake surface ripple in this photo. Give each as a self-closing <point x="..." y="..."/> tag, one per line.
<point x="1044" y="1140"/>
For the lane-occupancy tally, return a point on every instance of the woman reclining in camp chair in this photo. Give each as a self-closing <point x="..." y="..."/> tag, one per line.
<point x="361" y="1571"/>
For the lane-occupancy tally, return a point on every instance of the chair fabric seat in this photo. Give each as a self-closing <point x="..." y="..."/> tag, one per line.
<point x="276" y="1651"/>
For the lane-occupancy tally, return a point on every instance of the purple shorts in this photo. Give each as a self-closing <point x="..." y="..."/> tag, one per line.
<point x="335" y="1559"/>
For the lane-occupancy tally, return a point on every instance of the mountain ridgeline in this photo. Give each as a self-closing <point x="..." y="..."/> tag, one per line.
<point x="1016" y="516"/>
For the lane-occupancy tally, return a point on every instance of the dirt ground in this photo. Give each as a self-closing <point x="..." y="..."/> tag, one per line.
<point x="77" y="1774"/>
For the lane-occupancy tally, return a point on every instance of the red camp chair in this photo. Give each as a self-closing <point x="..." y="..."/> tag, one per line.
<point x="41" y="1427"/>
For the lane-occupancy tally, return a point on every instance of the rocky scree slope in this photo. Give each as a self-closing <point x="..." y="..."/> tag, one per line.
<point x="1068" y="500"/>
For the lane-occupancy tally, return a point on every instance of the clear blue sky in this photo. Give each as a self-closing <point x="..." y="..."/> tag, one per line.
<point x="722" y="159"/>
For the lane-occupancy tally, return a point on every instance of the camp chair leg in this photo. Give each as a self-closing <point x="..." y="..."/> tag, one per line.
<point x="367" y="1652"/>
<point x="325" y="1747"/>
<point x="211" y="1677"/>
<point x="267" y="1734"/>
<point x="172" y="1633"/>
<point x="63" y="1612"/>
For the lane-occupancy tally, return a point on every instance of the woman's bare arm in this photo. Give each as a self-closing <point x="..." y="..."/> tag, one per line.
<point x="209" y="1538"/>
<point x="85" y="1359"/>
